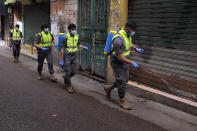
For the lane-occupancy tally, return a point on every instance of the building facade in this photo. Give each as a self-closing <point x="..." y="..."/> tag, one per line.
<point x="166" y="29"/>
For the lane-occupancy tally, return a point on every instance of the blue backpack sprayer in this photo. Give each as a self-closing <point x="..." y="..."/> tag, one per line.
<point x="108" y="45"/>
<point x="60" y="37"/>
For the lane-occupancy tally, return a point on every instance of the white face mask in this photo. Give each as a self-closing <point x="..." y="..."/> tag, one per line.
<point x="46" y="30"/>
<point x="73" y="32"/>
<point x="17" y="29"/>
<point x="132" y="33"/>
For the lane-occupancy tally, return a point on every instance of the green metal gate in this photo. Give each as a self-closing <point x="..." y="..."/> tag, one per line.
<point x="92" y="27"/>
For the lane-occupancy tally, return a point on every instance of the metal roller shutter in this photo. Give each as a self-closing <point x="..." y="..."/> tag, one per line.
<point x="34" y="17"/>
<point x="167" y="30"/>
<point x="165" y="23"/>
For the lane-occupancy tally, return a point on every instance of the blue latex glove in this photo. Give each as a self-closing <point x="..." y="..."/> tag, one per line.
<point x="135" y="65"/>
<point x="10" y="45"/>
<point x="56" y="45"/>
<point x="23" y="42"/>
<point x="61" y="63"/>
<point x="139" y="50"/>
<point x="84" y="47"/>
<point x="44" y="49"/>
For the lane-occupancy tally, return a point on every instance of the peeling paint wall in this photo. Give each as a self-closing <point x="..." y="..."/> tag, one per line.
<point x="63" y="12"/>
<point x="18" y="15"/>
<point x="117" y="19"/>
<point x="115" y="15"/>
<point x="114" y="24"/>
<point x="118" y="14"/>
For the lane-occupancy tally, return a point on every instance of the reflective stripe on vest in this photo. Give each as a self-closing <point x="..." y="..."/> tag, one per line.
<point x="16" y="35"/>
<point x="46" y="39"/>
<point x="72" y="43"/>
<point x="127" y="42"/>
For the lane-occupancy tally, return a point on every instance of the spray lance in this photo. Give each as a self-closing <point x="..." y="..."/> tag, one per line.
<point x="142" y="68"/>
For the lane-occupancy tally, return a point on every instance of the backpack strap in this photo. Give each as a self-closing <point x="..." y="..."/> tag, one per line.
<point x="51" y="34"/>
<point x="118" y="35"/>
<point x="41" y="38"/>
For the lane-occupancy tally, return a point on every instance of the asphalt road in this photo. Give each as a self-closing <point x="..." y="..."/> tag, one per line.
<point x="27" y="104"/>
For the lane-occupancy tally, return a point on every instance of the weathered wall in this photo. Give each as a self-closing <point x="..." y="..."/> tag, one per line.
<point x="17" y="14"/>
<point x="115" y="15"/>
<point x="117" y="19"/>
<point x="118" y="14"/>
<point x="63" y="12"/>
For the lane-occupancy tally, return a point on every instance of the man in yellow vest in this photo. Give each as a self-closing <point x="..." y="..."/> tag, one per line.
<point x="15" y="41"/>
<point x="68" y="55"/>
<point x="43" y="42"/>
<point x="120" y="62"/>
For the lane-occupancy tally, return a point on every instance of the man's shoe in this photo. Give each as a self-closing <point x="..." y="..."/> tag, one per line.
<point x="69" y="89"/>
<point x="108" y="89"/>
<point x="126" y="87"/>
<point x="39" y="76"/>
<point x="14" y="61"/>
<point x="17" y="60"/>
<point x="52" y="78"/>
<point x="124" y="105"/>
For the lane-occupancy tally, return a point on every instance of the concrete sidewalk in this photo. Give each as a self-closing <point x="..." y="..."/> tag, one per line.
<point x="150" y="110"/>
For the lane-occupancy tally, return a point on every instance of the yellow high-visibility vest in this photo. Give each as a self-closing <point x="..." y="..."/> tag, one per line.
<point x="127" y="42"/>
<point x="16" y="35"/>
<point x="46" y="39"/>
<point x="72" y="43"/>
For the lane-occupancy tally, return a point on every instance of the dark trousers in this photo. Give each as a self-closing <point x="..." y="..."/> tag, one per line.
<point x="16" y="47"/>
<point x="70" y="66"/>
<point x="121" y="72"/>
<point x="41" y="57"/>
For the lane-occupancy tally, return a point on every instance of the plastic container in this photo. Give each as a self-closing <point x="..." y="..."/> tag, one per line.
<point x="108" y="44"/>
<point x="60" y="37"/>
